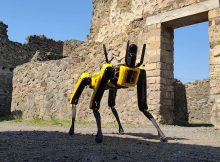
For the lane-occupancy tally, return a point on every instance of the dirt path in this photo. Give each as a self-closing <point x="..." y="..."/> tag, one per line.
<point x="19" y="142"/>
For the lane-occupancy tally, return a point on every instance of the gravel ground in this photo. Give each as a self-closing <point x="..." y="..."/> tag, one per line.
<point x="21" y="142"/>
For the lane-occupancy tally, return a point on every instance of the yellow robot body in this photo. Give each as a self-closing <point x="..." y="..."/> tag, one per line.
<point x="78" y="84"/>
<point x="94" y="81"/>
<point x="128" y="77"/>
<point x="96" y="77"/>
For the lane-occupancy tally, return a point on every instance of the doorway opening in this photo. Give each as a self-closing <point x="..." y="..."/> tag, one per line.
<point x="191" y="67"/>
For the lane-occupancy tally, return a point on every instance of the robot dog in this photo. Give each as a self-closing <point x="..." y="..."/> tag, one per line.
<point x="113" y="78"/>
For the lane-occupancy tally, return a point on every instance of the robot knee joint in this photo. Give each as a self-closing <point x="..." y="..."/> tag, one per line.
<point x="143" y="108"/>
<point x="111" y="104"/>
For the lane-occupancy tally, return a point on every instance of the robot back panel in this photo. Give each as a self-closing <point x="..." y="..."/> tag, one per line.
<point x="128" y="76"/>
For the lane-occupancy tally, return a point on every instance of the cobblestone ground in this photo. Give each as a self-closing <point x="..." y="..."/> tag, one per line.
<point x="20" y="142"/>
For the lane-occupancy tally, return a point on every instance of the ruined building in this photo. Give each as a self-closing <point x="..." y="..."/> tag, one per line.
<point x="43" y="80"/>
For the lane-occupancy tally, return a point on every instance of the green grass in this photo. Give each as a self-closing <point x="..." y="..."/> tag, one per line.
<point x="197" y="122"/>
<point x="44" y="122"/>
<point x="37" y="121"/>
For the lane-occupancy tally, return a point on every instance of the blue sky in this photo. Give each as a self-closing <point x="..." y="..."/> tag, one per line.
<point x="68" y="19"/>
<point x="191" y="52"/>
<point x="61" y="20"/>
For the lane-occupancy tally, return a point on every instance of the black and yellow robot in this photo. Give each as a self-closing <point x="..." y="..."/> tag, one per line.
<point x="113" y="78"/>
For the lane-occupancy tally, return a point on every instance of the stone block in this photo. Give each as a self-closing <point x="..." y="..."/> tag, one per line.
<point x="214" y="13"/>
<point x="151" y="66"/>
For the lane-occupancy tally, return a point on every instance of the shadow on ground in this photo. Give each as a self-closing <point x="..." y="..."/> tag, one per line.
<point x="59" y="146"/>
<point x="200" y="125"/>
<point x="151" y="136"/>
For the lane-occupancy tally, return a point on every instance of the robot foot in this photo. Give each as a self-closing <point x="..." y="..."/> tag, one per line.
<point x="99" y="138"/>
<point x="121" y="131"/>
<point x="71" y="131"/>
<point x="163" y="139"/>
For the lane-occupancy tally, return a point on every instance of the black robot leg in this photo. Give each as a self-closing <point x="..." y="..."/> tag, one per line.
<point x="111" y="104"/>
<point x="72" y="128"/>
<point x="83" y="82"/>
<point x="95" y="102"/>
<point x="99" y="135"/>
<point x="142" y="103"/>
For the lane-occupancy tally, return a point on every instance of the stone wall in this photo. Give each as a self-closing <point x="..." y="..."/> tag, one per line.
<point x="114" y="17"/>
<point x="198" y="101"/>
<point x="3" y="31"/>
<point x="13" y="54"/>
<point x="115" y="22"/>
<point x="44" y="89"/>
<point x="181" y="116"/>
<point x="214" y="59"/>
<point x="73" y="47"/>
<point x="6" y="74"/>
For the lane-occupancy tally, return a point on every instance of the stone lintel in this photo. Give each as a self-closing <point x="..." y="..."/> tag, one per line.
<point x="188" y="20"/>
<point x="200" y="10"/>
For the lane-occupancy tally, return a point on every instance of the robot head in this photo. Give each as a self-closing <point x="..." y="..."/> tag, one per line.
<point x="131" y="55"/>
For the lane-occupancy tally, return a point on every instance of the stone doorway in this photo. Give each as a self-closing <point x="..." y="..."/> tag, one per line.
<point x="166" y="59"/>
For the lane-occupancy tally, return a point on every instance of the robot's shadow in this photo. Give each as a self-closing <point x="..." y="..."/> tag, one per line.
<point x="152" y="136"/>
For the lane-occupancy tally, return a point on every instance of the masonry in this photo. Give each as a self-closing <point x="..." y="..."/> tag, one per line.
<point x="41" y="87"/>
<point x="153" y="22"/>
<point x="13" y="54"/>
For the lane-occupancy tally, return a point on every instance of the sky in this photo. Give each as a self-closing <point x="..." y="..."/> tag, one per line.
<point x="68" y="19"/>
<point x="191" y="52"/>
<point x="58" y="19"/>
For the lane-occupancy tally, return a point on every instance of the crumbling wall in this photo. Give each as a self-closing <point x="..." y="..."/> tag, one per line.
<point x="73" y="48"/>
<point x="198" y="101"/>
<point x="3" y="32"/>
<point x="13" y="54"/>
<point x="114" y="17"/>
<point x="42" y="88"/>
